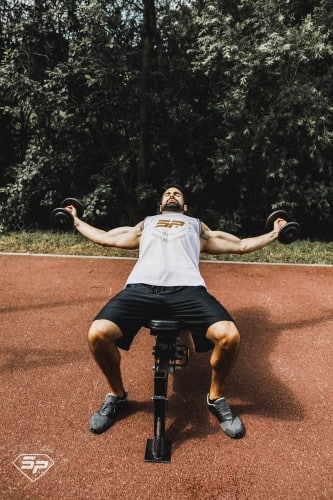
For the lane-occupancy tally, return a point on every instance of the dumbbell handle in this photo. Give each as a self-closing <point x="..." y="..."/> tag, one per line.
<point x="74" y="202"/>
<point x="289" y="232"/>
<point x="277" y="214"/>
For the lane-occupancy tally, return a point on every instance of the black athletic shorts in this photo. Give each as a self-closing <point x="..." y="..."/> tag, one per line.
<point x="193" y="306"/>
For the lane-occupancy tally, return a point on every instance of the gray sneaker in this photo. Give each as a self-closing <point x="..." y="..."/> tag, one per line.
<point x="229" y="423"/>
<point x="102" y="419"/>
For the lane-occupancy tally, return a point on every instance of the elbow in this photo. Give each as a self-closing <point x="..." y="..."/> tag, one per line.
<point x="243" y="248"/>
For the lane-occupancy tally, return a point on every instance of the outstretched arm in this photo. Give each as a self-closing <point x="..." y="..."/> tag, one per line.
<point x="218" y="242"/>
<point x="126" y="237"/>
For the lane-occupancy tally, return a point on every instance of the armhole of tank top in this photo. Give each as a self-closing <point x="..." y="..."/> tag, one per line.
<point x="200" y="227"/>
<point x="143" y="222"/>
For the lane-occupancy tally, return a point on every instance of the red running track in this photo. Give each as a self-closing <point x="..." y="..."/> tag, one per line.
<point x="280" y="386"/>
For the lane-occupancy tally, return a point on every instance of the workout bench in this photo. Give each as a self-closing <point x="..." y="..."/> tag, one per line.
<point x="168" y="355"/>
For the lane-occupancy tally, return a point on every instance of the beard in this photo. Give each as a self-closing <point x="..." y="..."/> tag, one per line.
<point x="172" y="206"/>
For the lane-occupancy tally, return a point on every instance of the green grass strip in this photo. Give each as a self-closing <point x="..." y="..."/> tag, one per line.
<point x="48" y="242"/>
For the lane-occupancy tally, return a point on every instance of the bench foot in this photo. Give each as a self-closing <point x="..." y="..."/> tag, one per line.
<point x="164" y="456"/>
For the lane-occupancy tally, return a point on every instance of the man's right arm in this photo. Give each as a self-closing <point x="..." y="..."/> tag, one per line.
<point x="126" y="237"/>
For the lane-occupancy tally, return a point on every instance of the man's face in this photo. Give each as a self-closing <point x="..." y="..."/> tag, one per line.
<point x="173" y="201"/>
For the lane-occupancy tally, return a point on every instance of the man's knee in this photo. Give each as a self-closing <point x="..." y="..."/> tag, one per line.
<point x="224" y="334"/>
<point x="102" y="331"/>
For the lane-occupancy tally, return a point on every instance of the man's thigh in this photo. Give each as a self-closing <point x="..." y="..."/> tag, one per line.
<point x="195" y="306"/>
<point x="198" y="310"/>
<point x="130" y="309"/>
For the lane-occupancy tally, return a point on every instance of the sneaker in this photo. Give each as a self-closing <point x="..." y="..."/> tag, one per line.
<point x="229" y="423"/>
<point x="102" y="419"/>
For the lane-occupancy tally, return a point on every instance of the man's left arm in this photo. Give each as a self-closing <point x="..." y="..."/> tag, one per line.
<point x="219" y="242"/>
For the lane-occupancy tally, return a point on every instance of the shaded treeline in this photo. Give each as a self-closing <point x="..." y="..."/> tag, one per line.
<point x="110" y="101"/>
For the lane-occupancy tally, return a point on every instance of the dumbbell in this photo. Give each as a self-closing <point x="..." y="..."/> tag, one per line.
<point x="63" y="218"/>
<point x="289" y="232"/>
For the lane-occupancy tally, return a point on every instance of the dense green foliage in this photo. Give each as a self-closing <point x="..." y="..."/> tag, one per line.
<point x="109" y="101"/>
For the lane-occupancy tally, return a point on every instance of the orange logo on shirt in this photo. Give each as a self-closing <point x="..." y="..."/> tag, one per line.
<point x="169" y="224"/>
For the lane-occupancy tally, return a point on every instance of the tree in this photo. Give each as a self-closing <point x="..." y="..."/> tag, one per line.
<point x="269" y="67"/>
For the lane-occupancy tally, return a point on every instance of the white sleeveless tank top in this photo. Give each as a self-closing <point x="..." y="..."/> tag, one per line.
<point x="169" y="252"/>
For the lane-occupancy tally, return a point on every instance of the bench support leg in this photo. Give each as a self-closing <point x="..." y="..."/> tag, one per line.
<point x="159" y="448"/>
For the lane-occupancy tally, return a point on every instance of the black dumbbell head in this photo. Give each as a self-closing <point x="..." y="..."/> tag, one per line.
<point x="62" y="218"/>
<point x="289" y="233"/>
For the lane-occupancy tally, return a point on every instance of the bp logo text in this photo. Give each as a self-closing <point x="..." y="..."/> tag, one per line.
<point x="170" y="223"/>
<point x="34" y="465"/>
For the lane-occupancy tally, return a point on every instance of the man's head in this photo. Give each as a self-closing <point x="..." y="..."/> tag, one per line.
<point x="173" y="200"/>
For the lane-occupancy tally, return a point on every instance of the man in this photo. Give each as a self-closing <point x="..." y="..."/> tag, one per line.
<point x="166" y="281"/>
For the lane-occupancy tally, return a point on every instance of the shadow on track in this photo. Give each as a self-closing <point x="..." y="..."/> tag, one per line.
<point x="253" y="388"/>
<point x="50" y="305"/>
<point x="19" y="359"/>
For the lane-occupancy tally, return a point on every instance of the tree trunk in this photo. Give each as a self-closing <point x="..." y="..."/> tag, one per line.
<point x="148" y="39"/>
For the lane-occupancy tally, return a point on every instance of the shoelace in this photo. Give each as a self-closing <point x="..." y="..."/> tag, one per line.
<point x="108" y="408"/>
<point x="224" y="410"/>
